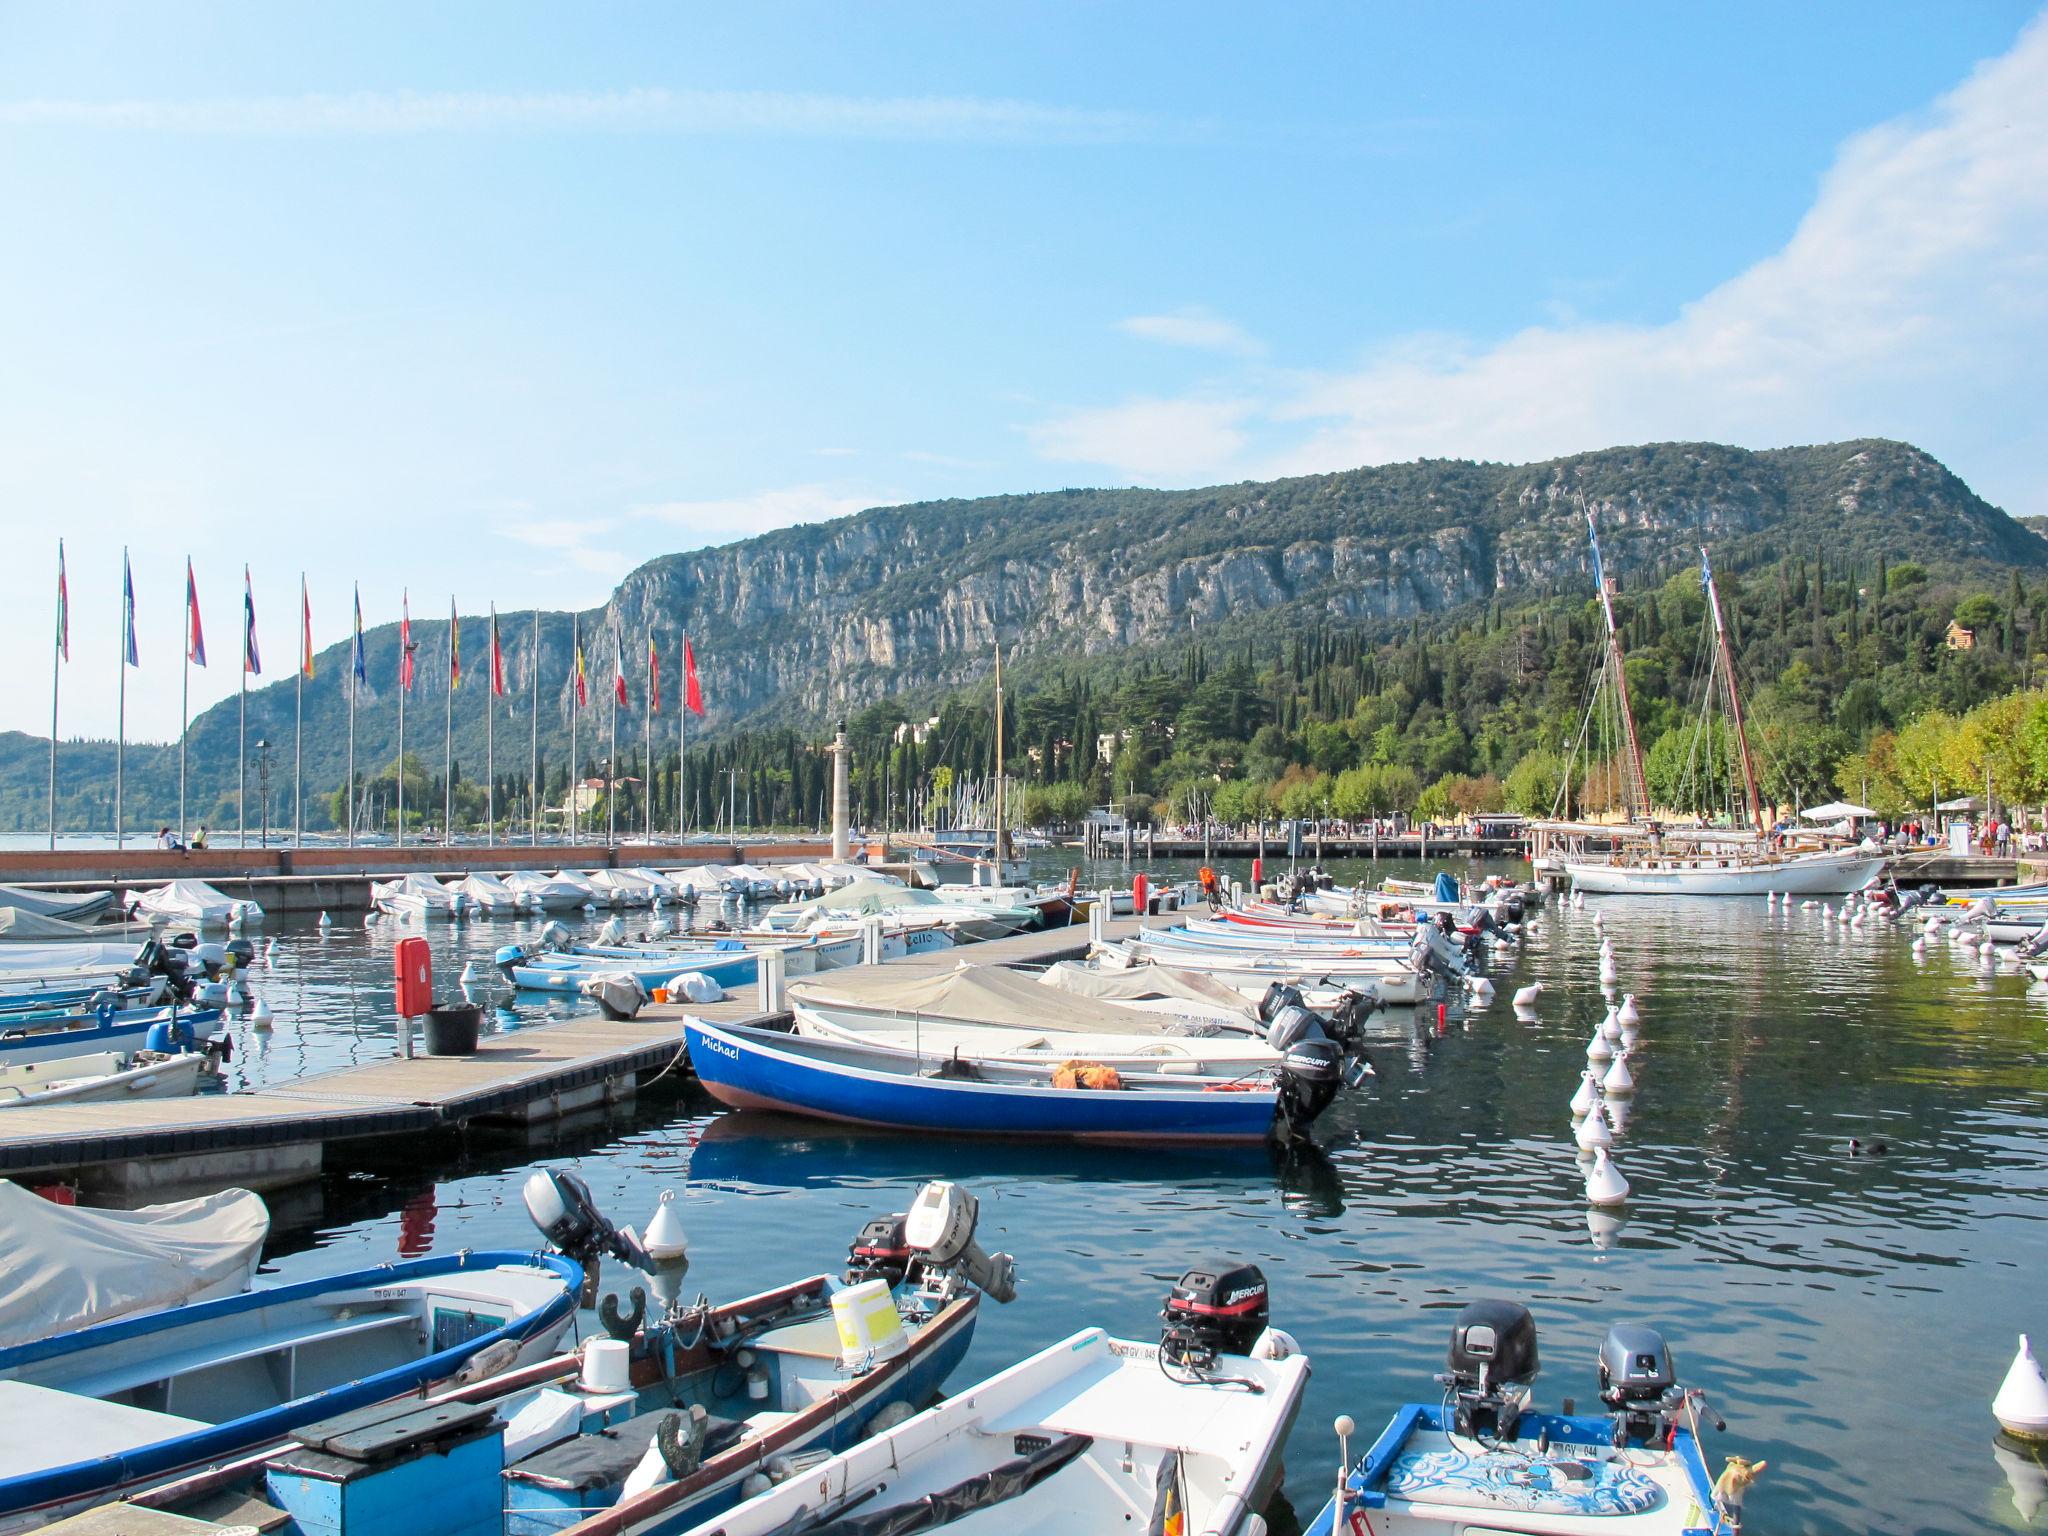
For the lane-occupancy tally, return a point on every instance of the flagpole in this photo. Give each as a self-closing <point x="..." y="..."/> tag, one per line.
<point x="185" y="704"/>
<point x="404" y="658"/>
<point x="683" y="741"/>
<point x="121" y="697"/>
<point x="490" y="740"/>
<point x="56" y="682"/>
<point x="611" y="767"/>
<point x="647" y="771"/>
<point x="533" y="772"/>
<point x="448" y="740"/>
<point x="353" y="685"/>
<point x="575" y="709"/>
<point x="242" y="737"/>
<point x="299" y="721"/>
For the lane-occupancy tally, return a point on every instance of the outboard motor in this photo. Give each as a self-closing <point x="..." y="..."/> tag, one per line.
<point x="509" y="956"/>
<point x="553" y="935"/>
<point x="1311" y="1071"/>
<point x="1292" y="1024"/>
<point x="562" y="1206"/>
<point x="879" y="1251"/>
<point x="1217" y="1308"/>
<point x="1492" y="1361"/>
<point x="1638" y="1381"/>
<point x="241" y="951"/>
<point x="2030" y="949"/>
<point x="1514" y="908"/>
<point x="939" y="1230"/>
<point x="613" y="931"/>
<point x="1279" y="994"/>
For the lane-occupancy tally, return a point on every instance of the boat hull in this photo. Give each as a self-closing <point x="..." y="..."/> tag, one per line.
<point x="1815" y="875"/>
<point x="744" y="1071"/>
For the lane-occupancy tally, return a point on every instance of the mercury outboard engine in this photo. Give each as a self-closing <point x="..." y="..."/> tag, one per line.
<point x="1638" y="1381"/>
<point x="1311" y="1072"/>
<point x="1279" y="994"/>
<point x="562" y="1206"/>
<point x="879" y="1251"/>
<point x="1492" y="1361"/>
<point x="1219" y="1307"/>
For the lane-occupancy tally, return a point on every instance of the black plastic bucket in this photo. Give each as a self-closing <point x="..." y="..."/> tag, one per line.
<point x="451" y="1031"/>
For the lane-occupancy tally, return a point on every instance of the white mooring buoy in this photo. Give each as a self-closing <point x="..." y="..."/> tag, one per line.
<point x="1526" y="996"/>
<point x="2021" y="1406"/>
<point x="1604" y="1183"/>
<point x="1594" y="1131"/>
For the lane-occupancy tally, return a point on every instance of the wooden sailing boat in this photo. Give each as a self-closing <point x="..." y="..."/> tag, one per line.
<point x="1654" y="860"/>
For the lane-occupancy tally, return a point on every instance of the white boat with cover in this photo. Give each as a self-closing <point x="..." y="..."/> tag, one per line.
<point x="490" y="896"/>
<point x="548" y="893"/>
<point x="418" y="897"/>
<point x="69" y="906"/>
<point x="1093" y="1434"/>
<point x="1729" y="874"/>
<point x="72" y="1265"/>
<point x="191" y="904"/>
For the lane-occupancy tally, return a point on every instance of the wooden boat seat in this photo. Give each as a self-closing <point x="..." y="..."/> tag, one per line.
<point x="815" y="1338"/>
<point x="134" y="1373"/>
<point x="603" y="1459"/>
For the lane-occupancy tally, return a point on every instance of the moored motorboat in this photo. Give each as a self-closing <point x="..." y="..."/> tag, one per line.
<point x="191" y="904"/>
<point x="102" y="1411"/>
<point x="418" y="898"/>
<point x="106" y="1077"/>
<point x="1092" y="1434"/>
<point x="861" y="1084"/>
<point x="489" y="896"/>
<point x="1481" y="1459"/>
<point x="548" y="893"/>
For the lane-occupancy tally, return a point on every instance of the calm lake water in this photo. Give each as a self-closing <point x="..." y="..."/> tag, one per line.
<point x="1850" y="1316"/>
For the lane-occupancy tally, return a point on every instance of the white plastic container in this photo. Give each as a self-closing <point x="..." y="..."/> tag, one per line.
<point x="607" y="1366"/>
<point x="870" y="1331"/>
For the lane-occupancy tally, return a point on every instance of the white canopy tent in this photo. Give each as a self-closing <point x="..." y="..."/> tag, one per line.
<point x="1837" y="810"/>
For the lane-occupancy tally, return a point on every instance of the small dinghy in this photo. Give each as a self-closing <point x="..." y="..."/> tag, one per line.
<point x="871" y="1085"/>
<point x="102" y="1411"/>
<point x="648" y="1428"/>
<point x="37" y="1039"/>
<point x="191" y="904"/>
<point x="535" y="970"/>
<point x="69" y="1266"/>
<point x="108" y="1077"/>
<point x="1480" y="1459"/>
<point x="1093" y="1434"/>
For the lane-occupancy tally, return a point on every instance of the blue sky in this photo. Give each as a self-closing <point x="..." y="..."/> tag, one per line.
<point x="510" y="298"/>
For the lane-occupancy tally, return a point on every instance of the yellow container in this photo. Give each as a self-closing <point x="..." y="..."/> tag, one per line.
<point x="870" y="1330"/>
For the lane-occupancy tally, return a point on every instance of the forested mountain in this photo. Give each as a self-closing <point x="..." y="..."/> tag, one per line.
<point x="1407" y="625"/>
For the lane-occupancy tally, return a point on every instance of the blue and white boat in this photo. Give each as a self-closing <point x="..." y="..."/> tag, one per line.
<point x="645" y="1429"/>
<point x="860" y="1084"/>
<point x="1480" y="1459"/>
<point x="105" y="1411"/>
<point x="557" y="972"/>
<point x="50" y="1037"/>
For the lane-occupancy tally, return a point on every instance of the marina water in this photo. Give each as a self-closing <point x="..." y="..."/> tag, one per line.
<point x="1849" y="1315"/>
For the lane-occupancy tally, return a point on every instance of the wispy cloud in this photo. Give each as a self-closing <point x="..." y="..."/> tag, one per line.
<point x="1161" y="439"/>
<point x="1193" y="328"/>
<point x="934" y="119"/>
<point x="574" y="539"/>
<point x="1910" y="301"/>
<point x="722" y="519"/>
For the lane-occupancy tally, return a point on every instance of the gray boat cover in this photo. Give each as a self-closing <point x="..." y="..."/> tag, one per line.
<point x="18" y="925"/>
<point x="872" y="895"/>
<point x="20" y="961"/>
<point x="68" y="1266"/>
<point x="72" y="905"/>
<point x="1144" y="982"/>
<point x="979" y="994"/>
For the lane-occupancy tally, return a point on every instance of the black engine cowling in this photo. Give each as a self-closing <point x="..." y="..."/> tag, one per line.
<point x="879" y="1252"/>
<point x="1218" y="1307"/>
<point x="1492" y="1359"/>
<point x="1311" y="1071"/>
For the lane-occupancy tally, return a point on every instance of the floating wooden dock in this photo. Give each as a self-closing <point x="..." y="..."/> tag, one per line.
<point x="277" y="1136"/>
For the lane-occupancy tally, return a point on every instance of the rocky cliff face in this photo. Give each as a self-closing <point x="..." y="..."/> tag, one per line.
<point x="809" y="622"/>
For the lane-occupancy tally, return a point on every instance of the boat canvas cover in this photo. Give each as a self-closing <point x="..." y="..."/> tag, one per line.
<point x="68" y="1266"/>
<point x="183" y="898"/>
<point x="20" y="926"/>
<point x="1142" y="983"/>
<point x="869" y="896"/>
<point x="71" y="905"/>
<point x="66" y="958"/>
<point x="984" y="994"/>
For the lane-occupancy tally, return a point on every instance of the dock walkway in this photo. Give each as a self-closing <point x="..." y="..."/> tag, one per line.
<point x="277" y="1135"/>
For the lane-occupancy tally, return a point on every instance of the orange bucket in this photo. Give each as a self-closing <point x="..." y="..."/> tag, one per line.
<point x="661" y="994"/>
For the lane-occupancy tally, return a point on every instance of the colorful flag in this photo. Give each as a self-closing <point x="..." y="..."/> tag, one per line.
<point x="63" y="607"/>
<point x="195" y="633"/>
<point x="618" y="667"/>
<point x="497" y="658"/>
<point x="252" y="659"/>
<point x="454" y="647"/>
<point x="693" y="696"/>
<point x="405" y="642"/>
<point x="128" y="654"/>
<point x="582" y="688"/>
<point x="359" y="663"/>
<point x="305" y="629"/>
<point x="653" y="676"/>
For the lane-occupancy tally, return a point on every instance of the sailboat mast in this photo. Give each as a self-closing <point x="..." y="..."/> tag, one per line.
<point x="1635" y="786"/>
<point x="1756" y="799"/>
<point x="1002" y="827"/>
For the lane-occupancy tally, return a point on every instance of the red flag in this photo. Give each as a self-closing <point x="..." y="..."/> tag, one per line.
<point x="693" y="696"/>
<point x="582" y="692"/>
<point x="305" y="630"/>
<point x="195" y="633"/>
<point x="618" y="667"/>
<point x="653" y="676"/>
<point x="405" y="642"/>
<point x="497" y="658"/>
